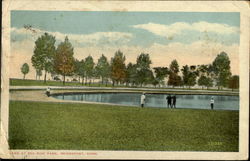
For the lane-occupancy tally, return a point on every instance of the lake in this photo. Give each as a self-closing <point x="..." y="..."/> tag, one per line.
<point x="156" y="100"/>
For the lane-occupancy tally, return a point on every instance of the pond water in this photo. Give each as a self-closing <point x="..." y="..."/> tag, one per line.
<point x="156" y="100"/>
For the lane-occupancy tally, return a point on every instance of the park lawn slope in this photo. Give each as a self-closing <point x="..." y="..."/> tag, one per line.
<point x="36" y="125"/>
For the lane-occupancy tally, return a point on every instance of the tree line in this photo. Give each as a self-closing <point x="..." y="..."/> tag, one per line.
<point x="60" y="60"/>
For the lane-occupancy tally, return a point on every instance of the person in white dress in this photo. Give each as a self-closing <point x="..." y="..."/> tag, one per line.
<point x="48" y="91"/>
<point x="143" y="97"/>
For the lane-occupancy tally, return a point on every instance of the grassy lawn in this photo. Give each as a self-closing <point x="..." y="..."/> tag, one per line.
<point x="21" y="82"/>
<point x="35" y="125"/>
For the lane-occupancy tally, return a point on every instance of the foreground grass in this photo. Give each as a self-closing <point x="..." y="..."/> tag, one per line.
<point x="35" y="125"/>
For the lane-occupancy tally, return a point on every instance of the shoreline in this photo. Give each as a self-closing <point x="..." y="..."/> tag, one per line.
<point x="117" y="89"/>
<point x="40" y="96"/>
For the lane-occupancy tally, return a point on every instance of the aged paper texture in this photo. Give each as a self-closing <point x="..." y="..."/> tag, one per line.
<point x="125" y="80"/>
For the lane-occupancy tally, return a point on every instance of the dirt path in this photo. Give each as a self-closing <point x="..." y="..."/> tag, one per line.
<point x="40" y="96"/>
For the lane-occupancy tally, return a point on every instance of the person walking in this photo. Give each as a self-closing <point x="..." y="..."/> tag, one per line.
<point x="143" y="97"/>
<point x="212" y="103"/>
<point x="48" y="91"/>
<point x="174" y="101"/>
<point x="169" y="101"/>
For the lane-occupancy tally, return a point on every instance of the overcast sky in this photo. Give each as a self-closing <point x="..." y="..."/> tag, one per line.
<point x="191" y="38"/>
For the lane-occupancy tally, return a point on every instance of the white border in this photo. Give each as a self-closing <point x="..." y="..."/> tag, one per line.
<point x="186" y="6"/>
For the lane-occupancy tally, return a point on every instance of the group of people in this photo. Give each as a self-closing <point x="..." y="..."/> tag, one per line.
<point x="171" y="101"/>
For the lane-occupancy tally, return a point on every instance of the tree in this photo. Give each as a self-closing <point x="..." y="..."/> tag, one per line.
<point x="131" y="74"/>
<point x="25" y="69"/>
<point x="149" y="79"/>
<point x="89" y="68"/>
<point x="160" y="74"/>
<point x="234" y="82"/>
<point x="192" y="79"/>
<point x="64" y="60"/>
<point x="79" y="69"/>
<point x="103" y="68"/>
<point x="44" y="53"/>
<point x="221" y="68"/>
<point x="192" y="75"/>
<point x="174" y="79"/>
<point x="174" y="67"/>
<point x="206" y="75"/>
<point x="205" y="81"/>
<point x="118" y="67"/>
<point x="39" y="73"/>
<point x="185" y="74"/>
<point x="203" y="70"/>
<point x="143" y="67"/>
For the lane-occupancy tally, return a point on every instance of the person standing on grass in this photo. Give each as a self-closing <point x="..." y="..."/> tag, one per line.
<point x="143" y="97"/>
<point x="48" y="91"/>
<point x="174" y="101"/>
<point x="169" y="101"/>
<point x="212" y="103"/>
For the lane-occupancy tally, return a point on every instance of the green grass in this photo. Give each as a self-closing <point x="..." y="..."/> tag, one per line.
<point x="36" y="125"/>
<point x="21" y="82"/>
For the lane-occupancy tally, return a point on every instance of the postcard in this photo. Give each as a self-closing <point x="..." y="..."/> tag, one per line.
<point x="125" y="80"/>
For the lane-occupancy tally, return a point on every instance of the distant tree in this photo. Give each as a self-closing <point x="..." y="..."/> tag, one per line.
<point x="174" y="79"/>
<point x="192" y="76"/>
<point x="155" y="82"/>
<point x="234" y="82"/>
<point x="131" y="74"/>
<point x="39" y="73"/>
<point x="192" y="79"/>
<point x="202" y="81"/>
<point x="189" y="75"/>
<point x="193" y="67"/>
<point x="150" y="79"/>
<point x="25" y="69"/>
<point x="206" y="75"/>
<point x="76" y="69"/>
<point x="143" y="68"/>
<point x="221" y="68"/>
<point x="160" y="74"/>
<point x="179" y="81"/>
<point x="64" y="60"/>
<point x="174" y="67"/>
<point x="203" y="70"/>
<point x="103" y="68"/>
<point x="205" y="81"/>
<point x="89" y="68"/>
<point x="118" y="67"/>
<point x="79" y="70"/>
<point x="44" y="53"/>
<point x="54" y="75"/>
<point x="185" y="74"/>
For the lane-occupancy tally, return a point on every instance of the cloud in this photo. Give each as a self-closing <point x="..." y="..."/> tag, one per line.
<point x="97" y="38"/>
<point x="178" y="27"/>
<point x="195" y="53"/>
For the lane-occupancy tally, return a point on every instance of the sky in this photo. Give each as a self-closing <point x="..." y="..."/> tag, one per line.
<point x="191" y="38"/>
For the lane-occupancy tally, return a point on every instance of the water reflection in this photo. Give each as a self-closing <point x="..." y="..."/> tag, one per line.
<point x="156" y="100"/>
